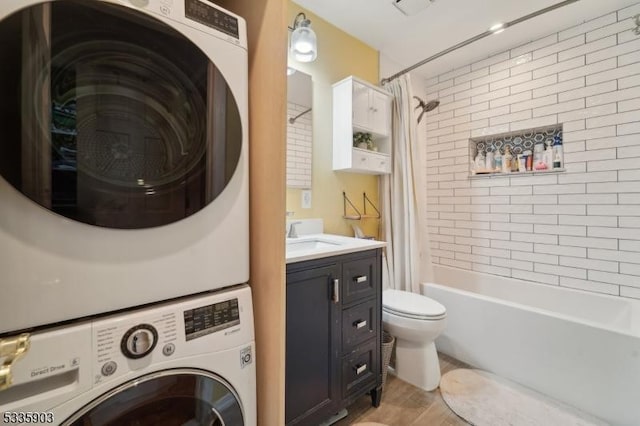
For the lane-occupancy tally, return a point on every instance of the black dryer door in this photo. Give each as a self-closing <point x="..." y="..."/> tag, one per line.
<point x="112" y="117"/>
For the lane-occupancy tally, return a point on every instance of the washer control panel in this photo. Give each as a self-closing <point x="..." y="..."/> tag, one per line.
<point x="163" y="335"/>
<point x="209" y="319"/>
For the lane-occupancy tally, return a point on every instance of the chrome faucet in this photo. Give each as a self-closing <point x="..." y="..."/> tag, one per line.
<point x="292" y="230"/>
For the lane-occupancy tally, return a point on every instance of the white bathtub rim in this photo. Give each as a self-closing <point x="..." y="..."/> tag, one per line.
<point x="618" y="330"/>
<point x="612" y="297"/>
<point x="633" y="304"/>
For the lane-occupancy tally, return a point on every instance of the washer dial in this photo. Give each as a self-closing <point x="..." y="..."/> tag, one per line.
<point x="139" y="341"/>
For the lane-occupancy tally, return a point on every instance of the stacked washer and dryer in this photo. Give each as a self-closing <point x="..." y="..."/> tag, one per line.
<point x="124" y="235"/>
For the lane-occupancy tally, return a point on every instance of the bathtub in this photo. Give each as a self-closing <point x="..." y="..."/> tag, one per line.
<point x="580" y="348"/>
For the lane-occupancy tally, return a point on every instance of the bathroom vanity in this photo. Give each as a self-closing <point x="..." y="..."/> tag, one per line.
<point x="334" y="330"/>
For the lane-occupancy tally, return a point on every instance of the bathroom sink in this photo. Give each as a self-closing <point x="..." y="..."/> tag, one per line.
<point x="315" y="246"/>
<point x="293" y="245"/>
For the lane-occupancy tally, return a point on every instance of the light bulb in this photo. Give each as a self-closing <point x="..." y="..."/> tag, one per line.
<point x="304" y="46"/>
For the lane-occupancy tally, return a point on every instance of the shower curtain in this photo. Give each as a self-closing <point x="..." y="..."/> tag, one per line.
<point x="407" y="262"/>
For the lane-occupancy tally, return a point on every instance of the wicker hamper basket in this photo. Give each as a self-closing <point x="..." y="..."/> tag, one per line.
<point x="387" y="348"/>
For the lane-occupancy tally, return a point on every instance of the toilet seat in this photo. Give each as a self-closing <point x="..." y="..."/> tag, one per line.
<point x="412" y="305"/>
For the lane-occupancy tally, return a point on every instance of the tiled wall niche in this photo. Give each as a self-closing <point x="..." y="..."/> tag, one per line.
<point x="518" y="142"/>
<point x="579" y="228"/>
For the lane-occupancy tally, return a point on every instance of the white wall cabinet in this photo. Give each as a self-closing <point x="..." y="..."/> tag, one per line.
<point x="361" y="107"/>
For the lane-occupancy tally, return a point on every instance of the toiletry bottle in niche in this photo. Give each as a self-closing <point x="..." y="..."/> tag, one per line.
<point x="538" y="157"/>
<point x="506" y="160"/>
<point x="522" y="163"/>
<point x="558" y="160"/>
<point x="529" y="163"/>
<point x="489" y="162"/>
<point x="548" y="156"/>
<point x="498" y="161"/>
<point x="480" y="161"/>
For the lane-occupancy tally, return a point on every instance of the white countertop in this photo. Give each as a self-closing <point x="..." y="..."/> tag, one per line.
<point x="317" y="246"/>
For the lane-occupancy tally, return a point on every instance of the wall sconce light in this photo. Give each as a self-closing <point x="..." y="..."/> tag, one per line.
<point x="303" y="44"/>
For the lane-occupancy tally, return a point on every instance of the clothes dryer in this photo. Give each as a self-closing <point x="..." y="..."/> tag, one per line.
<point x="189" y="362"/>
<point x="124" y="155"/>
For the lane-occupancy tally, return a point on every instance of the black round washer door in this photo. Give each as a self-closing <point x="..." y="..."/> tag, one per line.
<point x="181" y="397"/>
<point x="111" y="117"/>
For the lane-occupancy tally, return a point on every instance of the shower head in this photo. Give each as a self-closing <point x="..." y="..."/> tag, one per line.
<point x="431" y="105"/>
<point x="426" y="106"/>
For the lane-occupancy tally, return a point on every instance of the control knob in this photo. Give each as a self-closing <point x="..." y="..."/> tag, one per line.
<point x="139" y="341"/>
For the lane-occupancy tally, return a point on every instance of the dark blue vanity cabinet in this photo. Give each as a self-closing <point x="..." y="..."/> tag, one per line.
<point x="334" y="332"/>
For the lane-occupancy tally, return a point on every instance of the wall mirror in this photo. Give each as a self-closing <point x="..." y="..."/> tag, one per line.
<point x="299" y="129"/>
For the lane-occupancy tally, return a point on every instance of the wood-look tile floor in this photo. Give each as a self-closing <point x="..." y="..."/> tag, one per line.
<point x="406" y="405"/>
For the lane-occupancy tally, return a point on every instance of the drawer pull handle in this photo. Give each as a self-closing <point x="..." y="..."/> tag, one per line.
<point x="360" y="324"/>
<point x="360" y="279"/>
<point x="336" y="291"/>
<point x="360" y="369"/>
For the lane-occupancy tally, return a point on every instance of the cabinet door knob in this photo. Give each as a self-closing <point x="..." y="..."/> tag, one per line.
<point x="336" y="291"/>
<point x="359" y="324"/>
<point x="360" y="279"/>
<point x="360" y="369"/>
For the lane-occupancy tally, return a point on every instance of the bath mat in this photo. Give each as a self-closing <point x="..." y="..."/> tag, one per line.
<point x="484" y="399"/>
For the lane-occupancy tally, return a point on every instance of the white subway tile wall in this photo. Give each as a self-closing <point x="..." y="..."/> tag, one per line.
<point x="299" y="147"/>
<point x="578" y="229"/>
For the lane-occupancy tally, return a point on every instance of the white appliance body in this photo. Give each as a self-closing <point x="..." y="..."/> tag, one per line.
<point x="77" y="373"/>
<point x="55" y="269"/>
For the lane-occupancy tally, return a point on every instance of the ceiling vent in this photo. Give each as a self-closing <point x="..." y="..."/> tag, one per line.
<point x="411" y="7"/>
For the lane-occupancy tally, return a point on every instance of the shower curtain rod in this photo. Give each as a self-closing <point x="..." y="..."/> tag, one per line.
<point x="476" y="38"/>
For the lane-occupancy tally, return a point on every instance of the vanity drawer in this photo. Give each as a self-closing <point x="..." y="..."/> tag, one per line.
<point x="358" y="279"/>
<point x="360" y="369"/>
<point x="359" y="323"/>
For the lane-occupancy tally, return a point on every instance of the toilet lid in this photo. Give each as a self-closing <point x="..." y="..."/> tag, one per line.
<point x="412" y="305"/>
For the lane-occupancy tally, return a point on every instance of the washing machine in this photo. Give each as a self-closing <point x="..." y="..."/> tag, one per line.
<point x="189" y="362"/>
<point x="124" y="165"/>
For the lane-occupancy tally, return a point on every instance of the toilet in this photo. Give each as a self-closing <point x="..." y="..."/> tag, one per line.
<point x="415" y="321"/>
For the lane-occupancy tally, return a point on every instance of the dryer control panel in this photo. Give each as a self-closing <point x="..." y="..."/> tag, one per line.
<point x="211" y="17"/>
<point x="203" y="15"/>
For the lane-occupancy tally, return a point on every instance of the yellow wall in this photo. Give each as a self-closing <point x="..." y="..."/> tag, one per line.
<point x="339" y="55"/>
